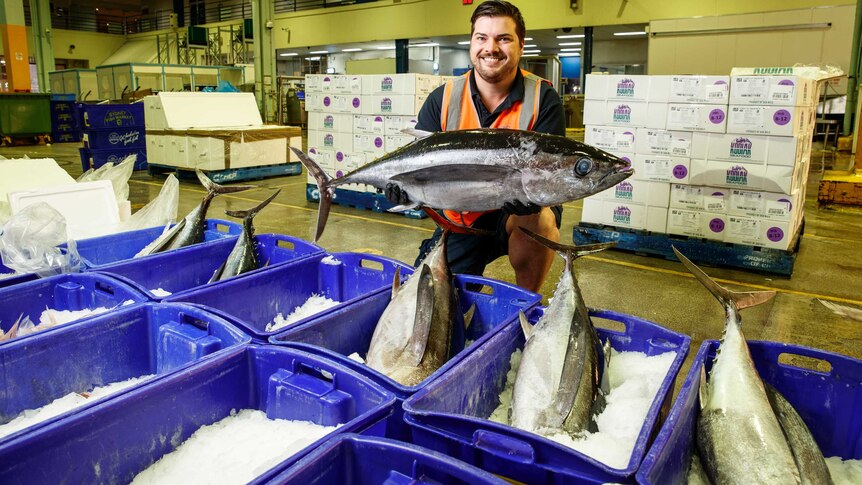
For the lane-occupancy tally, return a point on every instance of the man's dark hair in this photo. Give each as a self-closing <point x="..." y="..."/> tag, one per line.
<point x="500" y="8"/>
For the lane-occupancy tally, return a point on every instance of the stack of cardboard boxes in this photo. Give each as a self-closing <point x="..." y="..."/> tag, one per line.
<point x="715" y="157"/>
<point x="354" y="119"/>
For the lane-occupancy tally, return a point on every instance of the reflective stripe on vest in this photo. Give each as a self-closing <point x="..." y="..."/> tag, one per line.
<point x="459" y="113"/>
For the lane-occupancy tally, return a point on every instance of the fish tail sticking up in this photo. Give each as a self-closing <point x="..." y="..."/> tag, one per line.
<point x="737" y="300"/>
<point x="248" y="214"/>
<point x="214" y="189"/>
<point x="327" y="191"/>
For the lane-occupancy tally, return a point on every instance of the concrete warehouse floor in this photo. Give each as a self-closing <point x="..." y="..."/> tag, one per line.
<point x="828" y="267"/>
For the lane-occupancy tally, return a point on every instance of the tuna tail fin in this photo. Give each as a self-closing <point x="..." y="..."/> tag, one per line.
<point x="323" y="184"/>
<point x="568" y="252"/>
<point x="736" y="299"/>
<point x="448" y="226"/>
<point x="214" y="189"/>
<point x="249" y="214"/>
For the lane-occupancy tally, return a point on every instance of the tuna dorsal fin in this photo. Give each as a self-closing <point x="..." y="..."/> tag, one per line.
<point x="216" y="189"/>
<point x="424" y="317"/>
<point x="396" y="281"/>
<point x="569" y="252"/>
<point x="468" y="316"/>
<point x="448" y="226"/>
<point x="525" y="325"/>
<point x="736" y="299"/>
<point x="419" y="134"/>
<point x="326" y="190"/>
<point x="701" y="389"/>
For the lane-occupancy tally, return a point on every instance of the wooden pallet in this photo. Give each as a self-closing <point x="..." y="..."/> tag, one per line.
<point x="701" y="251"/>
<point x="230" y="174"/>
<point x="361" y="200"/>
<point x="841" y="188"/>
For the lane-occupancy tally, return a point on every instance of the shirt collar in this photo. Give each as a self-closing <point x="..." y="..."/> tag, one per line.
<point x="515" y="94"/>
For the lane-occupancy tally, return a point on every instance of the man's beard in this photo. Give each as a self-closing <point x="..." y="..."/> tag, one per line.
<point x="493" y="75"/>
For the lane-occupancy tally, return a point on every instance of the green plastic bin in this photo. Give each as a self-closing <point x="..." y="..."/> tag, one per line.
<point x="25" y="114"/>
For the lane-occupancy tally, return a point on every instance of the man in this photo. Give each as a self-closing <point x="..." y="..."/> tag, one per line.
<point x="496" y="94"/>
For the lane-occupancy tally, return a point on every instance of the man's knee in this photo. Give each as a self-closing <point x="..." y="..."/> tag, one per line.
<point x="544" y="224"/>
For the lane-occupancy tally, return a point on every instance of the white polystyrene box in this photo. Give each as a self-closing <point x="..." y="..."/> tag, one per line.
<point x="408" y="83"/>
<point x="787" y="150"/>
<point x="624" y="214"/>
<point x="369" y="125"/>
<point x="651" y="141"/>
<point x="596" y="87"/>
<point x="784" y="179"/>
<point x="295" y="142"/>
<point x="393" y="104"/>
<point x="737" y="148"/>
<point x="760" y="232"/>
<point x="330" y="140"/>
<point x="327" y="83"/>
<point x="768" y="120"/>
<point x="155" y="149"/>
<point x="699" y="89"/>
<point x="728" y="174"/>
<point x="348" y="103"/>
<point x="324" y="158"/>
<point x="314" y="102"/>
<point x="347" y="84"/>
<point x="710" y="118"/>
<point x="633" y="114"/>
<point x="176" y="151"/>
<point x="594" y="111"/>
<point x="765" y="205"/>
<point x="696" y="223"/>
<point x="773" y="90"/>
<point x="614" y="139"/>
<point x="374" y="144"/>
<point x="699" y="197"/>
<point x="628" y="87"/>
<point x="185" y="110"/>
<point x="394" y="142"/>
<point x="154" y="115"/>
<point x="394" y="125"/>
<point x="658" y="168"/>
<point x="313" y="83"/>
<point x="338" y="122"/>
<point x="655" y="194"/>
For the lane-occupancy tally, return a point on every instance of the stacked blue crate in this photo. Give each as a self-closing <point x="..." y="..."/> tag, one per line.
<point x="64" y="123"/>
<point x="111" y="133"/>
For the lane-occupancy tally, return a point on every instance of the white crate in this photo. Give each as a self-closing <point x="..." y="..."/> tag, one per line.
<point x="656" y="194"/>
<point x="658" y="168"/>
<point x="614" y="139"/>
<point x="773" y="90"/>
<point x="635" y="114"/>
<point x="369" y="125"/>
<point x="651" y="141"/>
<point x="622" y="214"/>
<point x="699" y="89"/>
<point x="770" y="120"/>
<point x="710" y="118"/>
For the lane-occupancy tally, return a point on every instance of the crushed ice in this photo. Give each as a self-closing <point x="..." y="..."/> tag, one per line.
<point x="844" y="472"/>
<point x="330" y="260"/>
<point x="158" y="292"/>
<point x="314" y="305"/>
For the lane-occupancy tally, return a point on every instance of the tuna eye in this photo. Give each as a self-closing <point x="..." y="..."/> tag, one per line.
<point x="583" y="167"/>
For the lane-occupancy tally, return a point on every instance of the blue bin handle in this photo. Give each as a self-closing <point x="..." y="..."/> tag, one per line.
<point x="505" y="447"/>
<point x="221" y="225"/>
<point x="318" y="373"/>
<point x="838" y="363"/>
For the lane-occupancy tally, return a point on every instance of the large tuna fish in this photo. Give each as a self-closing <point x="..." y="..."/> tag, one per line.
<point x="190" y="230"/>
<point x="557" y="384"/>
<point x="417" y="330"/>
<point x="480" y="170"/>
<point x="739" y="438"/>
<point x="242" y="258"/>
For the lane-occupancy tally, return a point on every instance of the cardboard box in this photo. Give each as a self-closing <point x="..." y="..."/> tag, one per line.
<point x="658" y="168"/>
<point x="394" y="125"/>
<point x="764" y="205"/>
<point x="633" y="114"/>
<point x="330" y="140"/>
<point x="773" y="90"/>
<point x="392" y="104"/>
<point x="655" y="194"/>
<point x="627" y="215"/>
<point x="410" y="83"/>
<point x="649" y="141"/>
<point x="760" y="232"/>
<point x="614" y="139"/>
<point x="699" y="89"/>
<point x="695" y="223"/>
<point x="369" y="125"/>
<point x="710" y="118"/>
<point x="699" y="198"/>
<point x="342" y="123"/>
<point x="373" y="144"/>
<point x="394" y="142"/>
<point x="769" y="120"/>
<point x="596" y="87"/>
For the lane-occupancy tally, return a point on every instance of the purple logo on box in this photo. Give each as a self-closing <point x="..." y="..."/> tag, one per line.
<point x="326" y="79"/>
<point x="624" y="191"/>
<point x="328" y="140"/>
<point x="378" y="142"/>
<point x="622" y="114"/>
<point x="326" y="101"/>
<point x="386" y="84"/>
<point x="378" y="119"/>
<point x="781" y="117"/>
<point x="789" y="204"/>
<point x="386" y="105"/>
<point x="774" y="234"/>
<point x="737" y="175"/>
<point x="716" y="116"/>
<point x="626" y="88"/>
<point x="339" y="156"/>
<point x="720" y="82"/>
<point x="628" y="161"/>
<point x="740" y="148"/>
<point x="339" y="173"/>
<point x="716" y="225"/>
<point x="680" y="171"/>
<point x="622" y="215"/>
<point x="328" y="121"/>
<point x="312" y="151"/>
<point x="786" y="82"/>
<point x="356" y="102"/>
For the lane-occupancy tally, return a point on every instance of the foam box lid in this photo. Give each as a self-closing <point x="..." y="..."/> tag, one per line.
<point x="90" y="208"/>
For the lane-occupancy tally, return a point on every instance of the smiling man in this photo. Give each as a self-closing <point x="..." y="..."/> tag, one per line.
<point x="496" y="93"/>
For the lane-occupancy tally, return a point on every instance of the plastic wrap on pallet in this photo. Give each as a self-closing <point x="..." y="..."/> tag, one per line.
<point x="241" y="136"/>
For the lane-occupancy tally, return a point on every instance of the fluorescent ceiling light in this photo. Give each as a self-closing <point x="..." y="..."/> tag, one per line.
<point x="386" y="48"/>
<point x="533" y="51"/>
<point x="527" y="46"/>
<point x="427" y="44"/>
<point x="572" y="36"/>
<point x="464" y="42"/>
<point x="569" y="43"/>
<point x="312" y="58"/>
<point x="528" y="38"/>
<point x="286" y="54"/>
<point x="319" y="52"/>
<point x="530" y="55"/>
<point x="569" y="54"/>
<point x="630" y="33"/>
<point x="353" y="49"/>
<point x="571" y="49"/>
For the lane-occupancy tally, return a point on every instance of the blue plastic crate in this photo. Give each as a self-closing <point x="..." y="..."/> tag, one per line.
<point x="344" y="331"/>
<point x="113" y="441"/>
<point x="149" y="338"/>
<point x="199" y="262"/>
<point x="14" y="280"/>
<point x="63" y="97"/>
<point x="253" y="301"/>
<point x="97" y="116"/>
<point x="72" y="137"/>
<point x="352" y="459"/>
<point x="120" y="138"/>
<point x="828" y="402"/>
<point x="72" y="292"/>
<point x="449" y="415"/>
<point x="97" y="158"/>
<point x="98" y="252"/>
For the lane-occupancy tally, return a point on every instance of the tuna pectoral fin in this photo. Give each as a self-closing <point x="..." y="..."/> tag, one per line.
<point x="570" y="379"/>
<point x="525" y="325"/>
<point x="326" y="191"/>
<point x="402" y="208"/>
<point x="727" y="297"/>
<point x="468" y="176"/>
<point x="396" y="281"/>
<point x="215" y="188"/>
<point x="250" y="213"/>
<point x="600" y="402"/>
<point x="701" y="387"/>
<point x="419" y="134"/>
<point x="424" y="316"/>
<point x="468" y="316"/>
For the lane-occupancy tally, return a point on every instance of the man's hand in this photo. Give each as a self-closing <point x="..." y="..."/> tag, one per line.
<point x="395" y="195"/>
<point x="518" y="208"/>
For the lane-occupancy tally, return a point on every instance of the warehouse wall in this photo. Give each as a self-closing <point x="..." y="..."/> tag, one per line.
<point x="422" y="18"/>
<point x="717" y="53"/>
<point x="90" y="46"/>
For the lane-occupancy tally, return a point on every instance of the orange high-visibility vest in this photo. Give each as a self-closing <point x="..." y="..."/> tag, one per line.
<point x="459" y="113"/>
